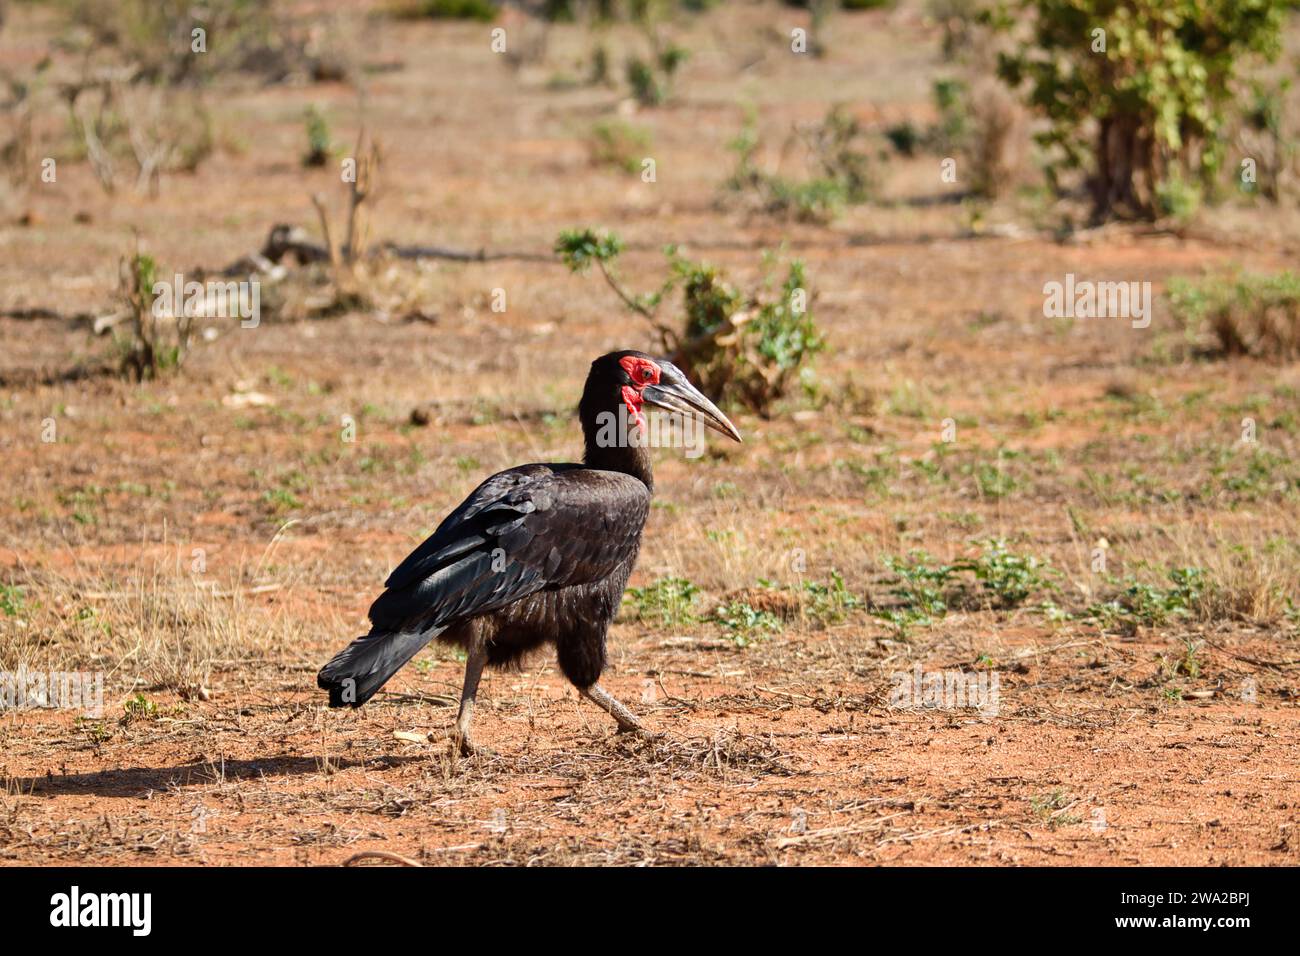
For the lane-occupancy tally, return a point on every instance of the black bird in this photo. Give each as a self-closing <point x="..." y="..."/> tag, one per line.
<point x="538" y="554"/>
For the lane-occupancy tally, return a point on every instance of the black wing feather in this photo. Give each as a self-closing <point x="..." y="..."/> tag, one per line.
<point x="521" y="531"/>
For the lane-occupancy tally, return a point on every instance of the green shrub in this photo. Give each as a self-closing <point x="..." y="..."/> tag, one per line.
<point x="747" y="348"/>
<point x="1152" y="104"/>
<point x="1257" y="315"/>
<point x="651" y="80"/>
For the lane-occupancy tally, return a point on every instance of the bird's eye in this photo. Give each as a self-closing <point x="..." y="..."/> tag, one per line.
<point x="646" y="374"/>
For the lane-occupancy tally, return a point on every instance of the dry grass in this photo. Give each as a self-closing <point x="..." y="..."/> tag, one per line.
<point x="1256" y="315"/>
<point x="158" y="625"/>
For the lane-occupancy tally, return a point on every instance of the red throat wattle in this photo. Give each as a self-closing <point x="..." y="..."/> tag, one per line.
<point x="632" y="399"/>
<point x="642" y="372"/>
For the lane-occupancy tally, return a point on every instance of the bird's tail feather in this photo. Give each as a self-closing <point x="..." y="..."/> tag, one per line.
<point x="358" y="671"/>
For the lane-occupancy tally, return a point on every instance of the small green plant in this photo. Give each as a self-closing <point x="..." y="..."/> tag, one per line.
<point x="619" y="144"/>
<point x="1051" y="807"/>
<point x="651" y="80"/>
<point x="746" y="348"/>
<point x="157" y="342"/>
<point x="139" y="707"/>
<point x="925" y="590"/>
<point x="1046" y="803"/>
<point x="919" y="588"/>
<point x="96" y="731"/>
<point x="1149" y="605"/>
<point x="12" y="602"/>
<point x="950" y="100"/>
<point x="1008" y="579"/>
<point x="641" y="78"/>
<point x="746" y="623"/>
<point x="842" y="172"/>
<point x="830" y="603"/>
<point x="1189" y="664"/>
<point x="669" y="600"/>
<point x="320" y="144"/>
<point x="992" y="480"/>
<point x="281" y="500"/>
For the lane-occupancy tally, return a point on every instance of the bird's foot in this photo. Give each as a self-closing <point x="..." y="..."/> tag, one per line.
<point x="639" y="730"/>
<point x="467" y="748"/>
<point x="626" y="720"/>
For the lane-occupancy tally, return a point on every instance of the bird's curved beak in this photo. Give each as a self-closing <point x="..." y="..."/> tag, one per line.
<point x="676" y="394"/>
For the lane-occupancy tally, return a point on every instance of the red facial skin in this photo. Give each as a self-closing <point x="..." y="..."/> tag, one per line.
<point x="643" y="372"/>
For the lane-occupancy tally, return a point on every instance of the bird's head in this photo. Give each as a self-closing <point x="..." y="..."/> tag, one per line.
<point x="641" y="380"/>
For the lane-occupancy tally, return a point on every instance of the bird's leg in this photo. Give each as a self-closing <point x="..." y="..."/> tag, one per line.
<point x="627" y="722"/>
<point x="477" y="658"/>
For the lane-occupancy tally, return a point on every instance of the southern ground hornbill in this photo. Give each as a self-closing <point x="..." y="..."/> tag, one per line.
<point x="538" y="554"/>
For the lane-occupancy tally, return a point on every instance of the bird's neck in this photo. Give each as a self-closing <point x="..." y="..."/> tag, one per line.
<point x="610" y="442"/>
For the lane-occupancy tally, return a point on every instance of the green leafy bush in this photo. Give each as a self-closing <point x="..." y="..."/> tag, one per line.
<point x="1135" y="92"/>
<point x="747" y="348"/>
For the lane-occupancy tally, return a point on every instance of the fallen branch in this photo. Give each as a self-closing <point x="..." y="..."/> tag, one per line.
<point x="382" y="855"/>
<point x="1257" y="661"/>
<point x="285" y="240"/>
